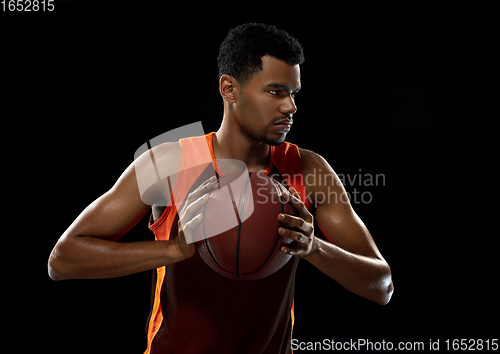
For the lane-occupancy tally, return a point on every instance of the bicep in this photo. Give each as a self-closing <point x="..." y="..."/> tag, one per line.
<point x="342" y="226"/>
<point x="114" y="213"/>
<point x="334" y="214"/>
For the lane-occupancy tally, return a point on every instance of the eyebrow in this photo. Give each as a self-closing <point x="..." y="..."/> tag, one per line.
<point x="284" y="87"/>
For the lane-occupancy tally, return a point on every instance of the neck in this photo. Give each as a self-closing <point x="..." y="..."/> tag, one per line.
<point x="230" y="143"/>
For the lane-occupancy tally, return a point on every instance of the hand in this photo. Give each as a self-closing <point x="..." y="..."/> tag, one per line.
<point x="298" y="228"/>
<point x="189" y="217"/>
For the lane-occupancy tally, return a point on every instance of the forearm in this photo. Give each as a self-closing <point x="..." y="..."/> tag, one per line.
<point x="78" y="257"/>
<point x="364" y="276"/>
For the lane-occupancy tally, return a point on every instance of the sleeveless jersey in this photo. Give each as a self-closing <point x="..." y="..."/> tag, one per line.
<point x="196" y="310"/>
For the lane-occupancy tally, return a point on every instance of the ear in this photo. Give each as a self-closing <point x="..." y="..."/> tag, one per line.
<point x="227" y="88"/>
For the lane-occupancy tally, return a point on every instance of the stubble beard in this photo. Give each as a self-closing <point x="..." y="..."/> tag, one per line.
<point x="266" y="139"/>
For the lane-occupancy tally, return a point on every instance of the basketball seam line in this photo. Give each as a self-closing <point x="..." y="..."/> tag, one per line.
<point x="239" y="226"/>
<point x="207" y="245"/>
<point x="278" y="237"/>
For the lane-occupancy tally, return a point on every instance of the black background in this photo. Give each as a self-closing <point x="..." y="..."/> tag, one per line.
<point x="409" y="93"/>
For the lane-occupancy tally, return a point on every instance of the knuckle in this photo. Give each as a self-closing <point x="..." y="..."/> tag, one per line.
<point x="186" y="208"/>
<point x="190" y="195"/>
<point x="302" y="223"/>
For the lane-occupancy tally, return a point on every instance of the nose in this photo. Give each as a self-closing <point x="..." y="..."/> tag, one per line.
<point x="289" y="107"/>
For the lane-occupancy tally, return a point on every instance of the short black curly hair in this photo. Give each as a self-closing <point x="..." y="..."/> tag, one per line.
<point x="241" y="51"/>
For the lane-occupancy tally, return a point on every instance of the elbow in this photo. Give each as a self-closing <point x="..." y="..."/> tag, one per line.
<point x="385" y="289"/>
<point x="61" y="265"/>
<point x="55" y="268"/>
<point x="54" y="275"/>
<point x="385" y="295"/>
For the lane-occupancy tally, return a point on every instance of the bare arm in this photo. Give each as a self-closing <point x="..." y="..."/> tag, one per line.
<point x="351" y="258"/>
<point x="88" y="248"/>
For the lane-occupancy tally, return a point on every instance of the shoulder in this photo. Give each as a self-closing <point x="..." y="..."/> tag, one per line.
<point x="161" y="156"/>
<point x="166" y="153"/>
<point x="319" y="176"/>
<point x="310" y="156"/>
<point x="157" y="168"/>
<point x="153" y="168"/>
<point x="312" y="161"/>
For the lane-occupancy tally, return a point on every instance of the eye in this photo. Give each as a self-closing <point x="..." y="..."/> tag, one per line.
<point x="274" y="92"/>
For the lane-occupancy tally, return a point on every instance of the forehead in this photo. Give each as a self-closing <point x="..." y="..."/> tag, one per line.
<point x="277" y="71"/>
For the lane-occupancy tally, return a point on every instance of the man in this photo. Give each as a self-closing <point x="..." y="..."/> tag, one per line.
<point x="197" y="310"/>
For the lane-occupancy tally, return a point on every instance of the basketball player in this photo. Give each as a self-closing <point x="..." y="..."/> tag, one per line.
<point x="195" y="309"/>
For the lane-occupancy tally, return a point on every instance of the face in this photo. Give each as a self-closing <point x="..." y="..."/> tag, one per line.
<point x="266" y="104"/>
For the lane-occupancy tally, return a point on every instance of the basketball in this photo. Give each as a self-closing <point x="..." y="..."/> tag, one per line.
<point x="249" y="248"/>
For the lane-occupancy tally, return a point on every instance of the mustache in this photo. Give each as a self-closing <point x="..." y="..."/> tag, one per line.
<point x="277" y="119"/>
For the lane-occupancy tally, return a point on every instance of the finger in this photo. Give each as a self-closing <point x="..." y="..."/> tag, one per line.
<point x="197" y="199"/>
<point x="291" y="222"/>
<point x="292" y="251"/>
<point x="287" y="250"/>
<point x="191" y="224"/>
<point x="186" y="231"/>
<point x="294" y="199"/>
<point x="190" y="210"/>
<point x="294" y="192"/>
<point x="208" y="184"/>
<point x="292" y="235"/>
<point x="204" y="188"/>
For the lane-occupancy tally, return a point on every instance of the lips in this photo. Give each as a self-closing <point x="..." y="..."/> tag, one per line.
<point x="284" y="122"/>
<point x="284" y="125"/>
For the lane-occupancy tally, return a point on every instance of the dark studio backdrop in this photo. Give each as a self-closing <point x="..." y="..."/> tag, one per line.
<point x="410" y="96"/>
